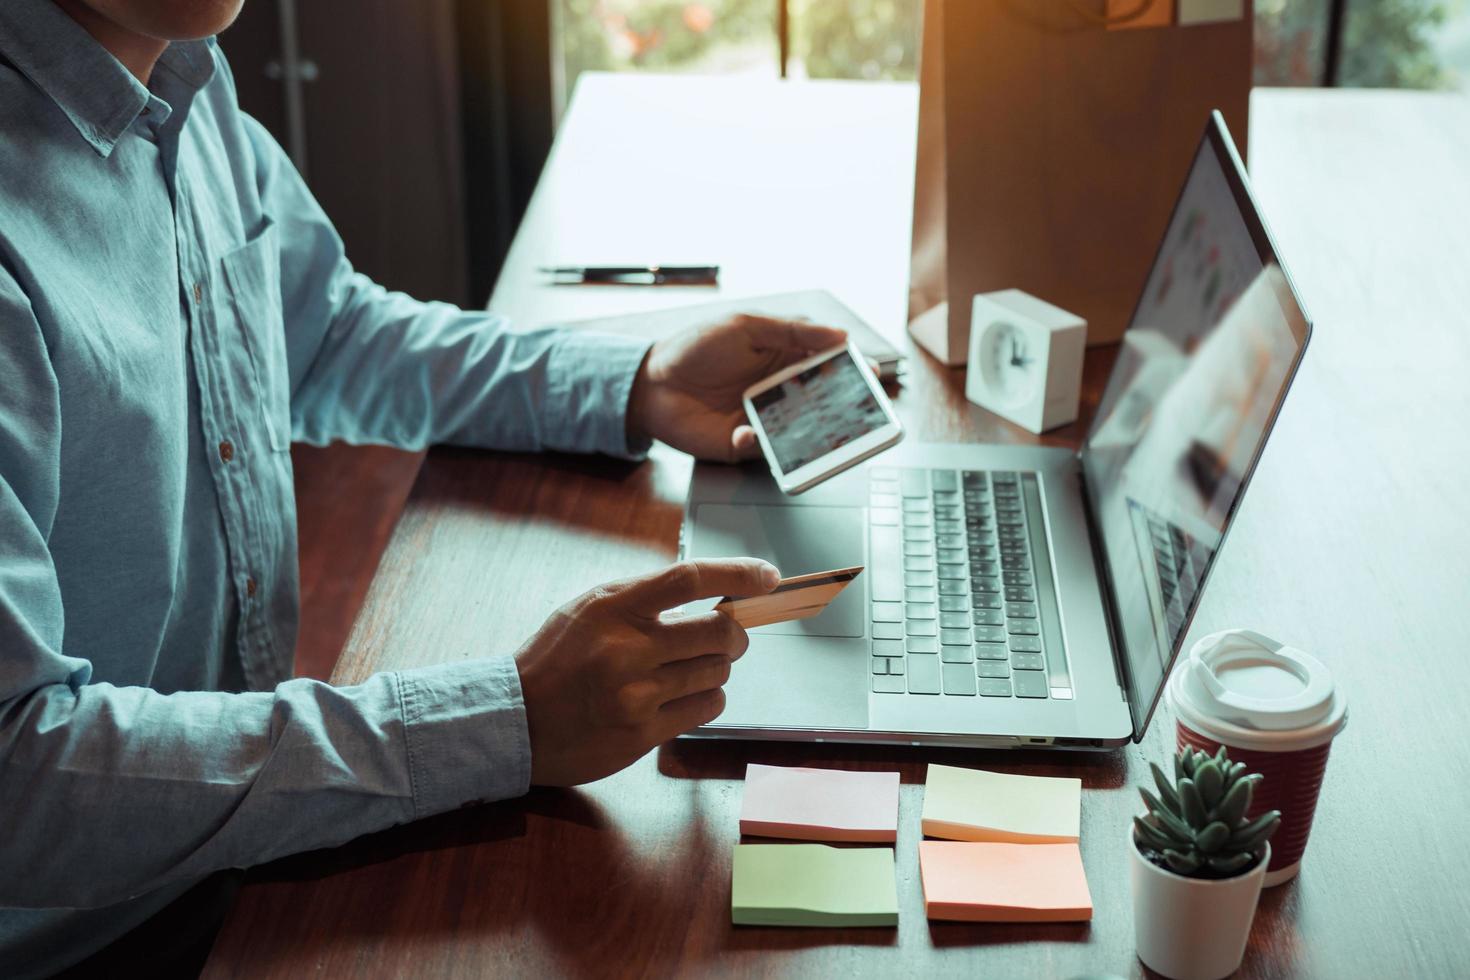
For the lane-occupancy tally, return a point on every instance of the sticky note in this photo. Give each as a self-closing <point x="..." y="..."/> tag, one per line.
<point x="1192" y="12"/>
<point x="819" y="804"/>
<point x="992" y="882"/>
<point x="813" y="885"/>
<point x="971" y="804"/>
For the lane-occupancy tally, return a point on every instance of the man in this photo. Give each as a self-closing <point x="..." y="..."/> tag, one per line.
<point x="174" y="310"/>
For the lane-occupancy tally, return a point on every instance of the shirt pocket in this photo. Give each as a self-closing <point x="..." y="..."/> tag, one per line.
<point x="252" y="275"/>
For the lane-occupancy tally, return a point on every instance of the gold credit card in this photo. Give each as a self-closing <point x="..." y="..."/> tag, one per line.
<point x="798" y="597"/>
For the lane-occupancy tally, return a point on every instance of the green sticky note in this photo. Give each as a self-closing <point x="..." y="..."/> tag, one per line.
<point x="813" y="885"/>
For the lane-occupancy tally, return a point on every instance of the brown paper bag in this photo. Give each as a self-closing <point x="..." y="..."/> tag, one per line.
<point x="1051" y="150"/>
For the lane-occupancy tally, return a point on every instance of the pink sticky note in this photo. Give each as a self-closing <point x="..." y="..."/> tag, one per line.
<point x="1000" y="882"/>
<point x="819" y="804"/>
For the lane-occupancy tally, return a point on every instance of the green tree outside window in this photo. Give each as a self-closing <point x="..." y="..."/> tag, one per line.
<point x="1388" y="43"/>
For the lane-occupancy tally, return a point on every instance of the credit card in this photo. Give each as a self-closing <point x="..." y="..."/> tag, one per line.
<point x="798" y="597"/>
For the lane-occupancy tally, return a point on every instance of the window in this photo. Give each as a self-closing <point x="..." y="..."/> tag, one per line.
<point x="1406" y="44"/>
<point x="1381" y="43"/>
<point x="1291" y="41"/>
<point x="1393" y="43"/>
<point x="870" y="39"/>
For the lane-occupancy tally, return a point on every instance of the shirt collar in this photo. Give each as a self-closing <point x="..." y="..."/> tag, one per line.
<point x="89" y="85"/>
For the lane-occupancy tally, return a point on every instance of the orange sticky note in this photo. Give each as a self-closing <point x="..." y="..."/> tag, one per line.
<point x="819" y="804"/>
<point x="989" y="882"/>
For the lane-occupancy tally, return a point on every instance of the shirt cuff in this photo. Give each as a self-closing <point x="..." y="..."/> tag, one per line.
<point x="465" y="725"/>
<point x="590" y="377"/>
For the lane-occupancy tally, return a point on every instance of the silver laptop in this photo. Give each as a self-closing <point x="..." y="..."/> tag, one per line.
<point x="1027" y="595"/>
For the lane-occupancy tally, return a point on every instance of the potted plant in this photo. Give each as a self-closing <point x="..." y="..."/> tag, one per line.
<point x="1198" y="864"/>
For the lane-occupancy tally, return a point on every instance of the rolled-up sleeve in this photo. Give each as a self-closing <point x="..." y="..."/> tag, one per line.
<point x="459" y="751"/>
<point x="369" y="365"/>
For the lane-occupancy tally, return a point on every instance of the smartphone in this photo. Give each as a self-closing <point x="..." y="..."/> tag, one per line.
<point x="819" y="417"/>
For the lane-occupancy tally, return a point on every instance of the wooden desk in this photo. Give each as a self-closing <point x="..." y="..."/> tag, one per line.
<point x="1355" y="543"/>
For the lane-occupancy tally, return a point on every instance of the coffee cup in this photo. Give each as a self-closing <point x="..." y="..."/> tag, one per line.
<point x="1274" y="708"/>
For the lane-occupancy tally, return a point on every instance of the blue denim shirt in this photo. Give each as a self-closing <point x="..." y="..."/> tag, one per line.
<point x="174" y="309"/>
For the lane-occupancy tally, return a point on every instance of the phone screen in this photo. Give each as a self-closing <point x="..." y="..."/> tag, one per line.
<point x="818" y="411"/>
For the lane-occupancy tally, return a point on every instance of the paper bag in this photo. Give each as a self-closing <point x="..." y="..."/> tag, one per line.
<point x="1051" y="149"/>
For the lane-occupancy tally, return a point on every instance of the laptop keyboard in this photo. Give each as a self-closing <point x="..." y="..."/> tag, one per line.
<point x="1180" y="559"/>
<point x="958" y="601"/>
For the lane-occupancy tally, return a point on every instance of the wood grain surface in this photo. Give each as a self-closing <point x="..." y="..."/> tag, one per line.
<point x="348" y="499"/>
<point x="1354" y="544"/>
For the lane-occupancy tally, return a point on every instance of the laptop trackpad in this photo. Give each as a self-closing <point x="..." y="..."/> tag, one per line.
<point x="808" y="673"/>
<point x="797" y="540"/>
<point x="798" y="682"/>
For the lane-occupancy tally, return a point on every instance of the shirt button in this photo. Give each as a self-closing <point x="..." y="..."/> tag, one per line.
<point x="226" y="451"/>
<point x="250" y="587"/>
<point x="198" y="292"/>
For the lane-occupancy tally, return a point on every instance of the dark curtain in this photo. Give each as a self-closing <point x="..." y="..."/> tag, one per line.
<point x="426" y="125"/>
<point x="506" y="90"/>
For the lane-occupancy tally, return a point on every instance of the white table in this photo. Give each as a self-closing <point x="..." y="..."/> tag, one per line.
<point x="649" y="170"/>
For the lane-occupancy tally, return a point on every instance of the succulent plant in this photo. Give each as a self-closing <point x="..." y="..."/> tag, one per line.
<point x="1196" y="826"/>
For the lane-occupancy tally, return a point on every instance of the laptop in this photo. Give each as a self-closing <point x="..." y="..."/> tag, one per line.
<point x="1020" y="596"/>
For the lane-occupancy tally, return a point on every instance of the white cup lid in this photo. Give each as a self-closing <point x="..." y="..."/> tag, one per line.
<point x="1237" y="684"/>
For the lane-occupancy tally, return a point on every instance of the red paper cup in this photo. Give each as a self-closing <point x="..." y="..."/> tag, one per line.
<point x="1274" y="708"/>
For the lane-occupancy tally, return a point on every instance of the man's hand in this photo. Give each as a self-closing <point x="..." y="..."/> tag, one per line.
<point x="609" y="677"/>
<point x="687" y="393"/>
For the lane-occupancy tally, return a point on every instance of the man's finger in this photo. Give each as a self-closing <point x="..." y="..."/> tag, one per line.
<point x="743" y="444"/>
<point x="687" y="713"/>
<point x="686" y="581"/>
<point x="695" y="636"/>
<point x="686" y="677"/>
<point x="768" y="334"/>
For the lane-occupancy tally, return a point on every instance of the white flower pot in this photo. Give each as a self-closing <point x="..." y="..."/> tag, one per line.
<point x="1192" y="928"/>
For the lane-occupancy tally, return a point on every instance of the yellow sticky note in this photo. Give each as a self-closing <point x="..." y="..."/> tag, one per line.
<point x="988" y="882"/>
<point x="813" y="885"/>
<point x="975" y="805"/>
<point x="1192" y="12"/>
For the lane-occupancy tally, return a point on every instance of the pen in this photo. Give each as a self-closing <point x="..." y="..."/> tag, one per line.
<point x="634" y="275"/>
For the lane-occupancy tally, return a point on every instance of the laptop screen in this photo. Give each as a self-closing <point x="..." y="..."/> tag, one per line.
<point x="1200" y="375"/>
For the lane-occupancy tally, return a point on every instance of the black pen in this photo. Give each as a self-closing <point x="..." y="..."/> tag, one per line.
<point x="634" y="275"/>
